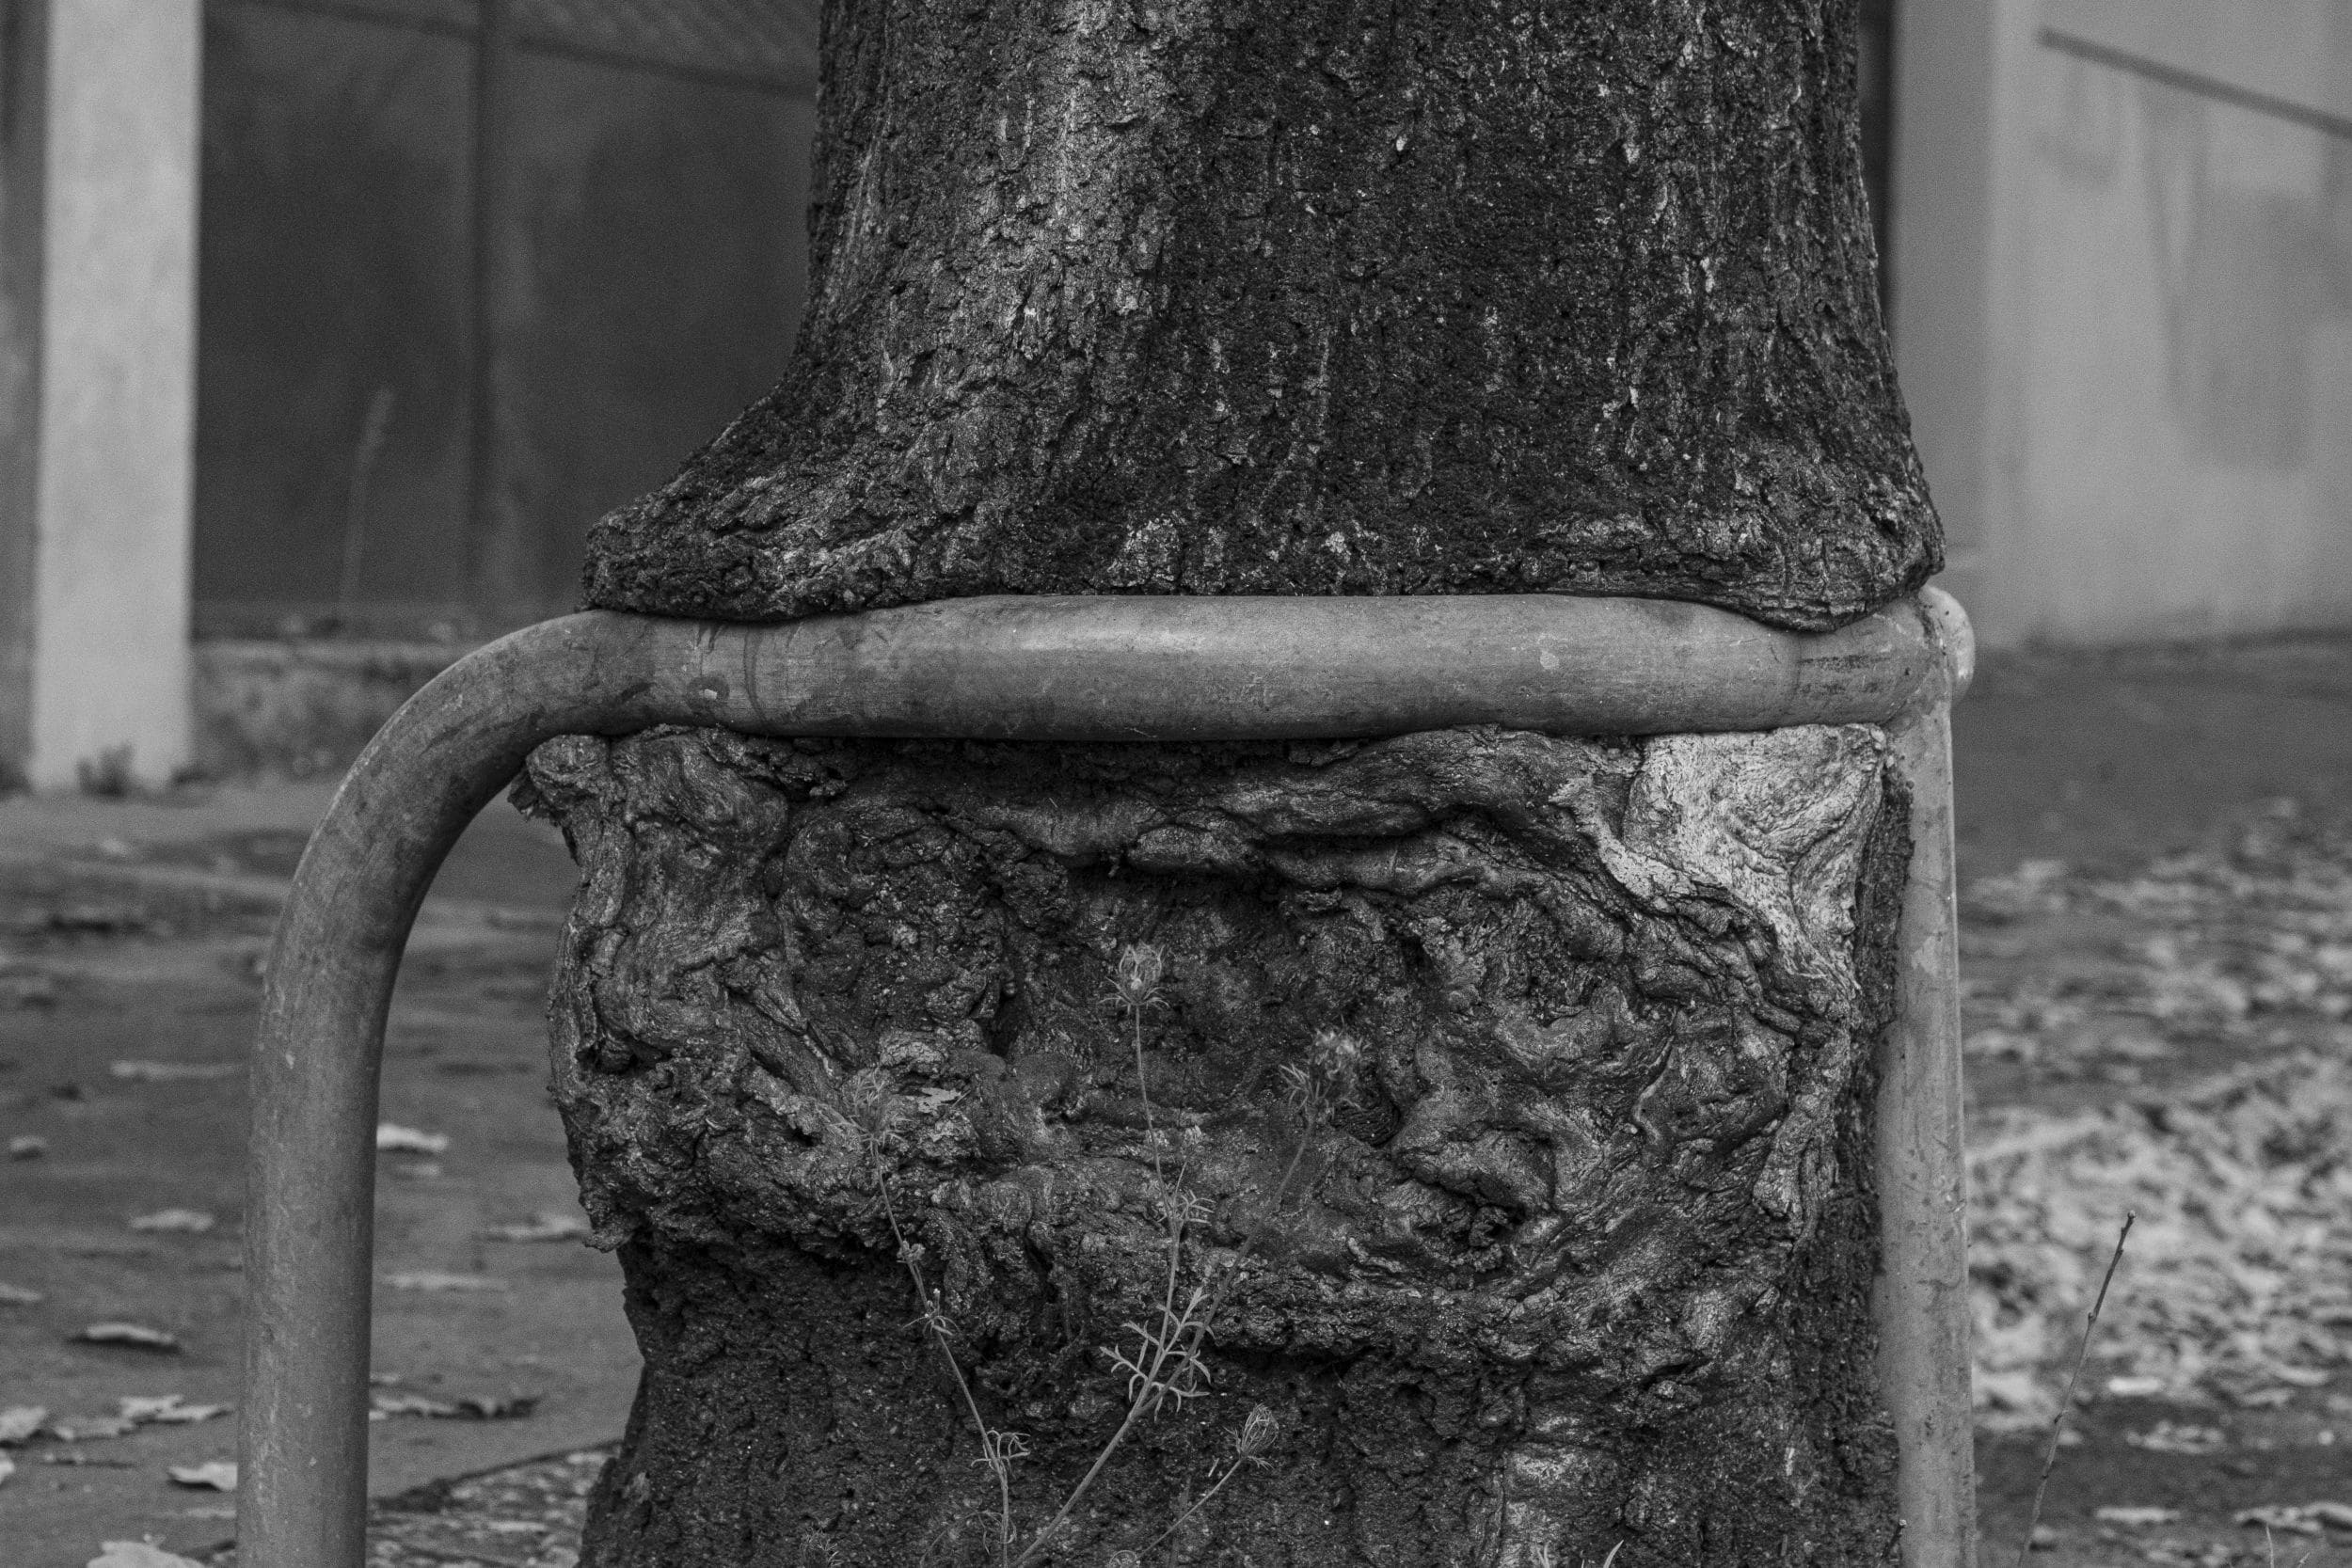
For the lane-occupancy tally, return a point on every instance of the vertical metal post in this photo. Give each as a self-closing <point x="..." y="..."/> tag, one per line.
<point x="1922" y="1299"/>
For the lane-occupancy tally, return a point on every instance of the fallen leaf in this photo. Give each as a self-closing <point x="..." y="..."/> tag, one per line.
<point x="547" y="1226"/>
<point x="2136" y="1516"/>
<point x="99" y="919"/>
<point x="7" y="1468"/>
<point x="138" y="1554"/>
<point x="474" y="1407"/>
<point x="27" y="1146"/>
<point x="27" y="991"/>
<point x="2135" y="1388"/>
<point x="20" y="1422"/>
<point x="173" y="1072"/>
<point x="133" y="1334"/>
<point x="17" y="1295"/>
<point x="2334" y="1515"/>
<point x="2176" y="1437"/>
<point x="193" y="1221"/>
<point x="220" y="1475"/>
<point x="166" y="1409"/>
<point x="90" y="1429"/>
<point x="2277" y="1517"/>
<point x="392" y="1138"/>
<point x="433" y="1280"/>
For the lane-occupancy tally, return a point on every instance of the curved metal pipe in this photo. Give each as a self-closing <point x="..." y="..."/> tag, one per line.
<point x="1026" y="667"/>
<point x="1920" y="1301"/>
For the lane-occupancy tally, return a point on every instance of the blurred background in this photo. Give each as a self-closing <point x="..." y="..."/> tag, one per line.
<point x="327" y="326"/>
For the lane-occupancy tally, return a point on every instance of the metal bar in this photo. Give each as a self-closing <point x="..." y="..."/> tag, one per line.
<point x="1066" y="669"/>
<point x="2196" y="82"/>
<point x="1921" y="1302"/>
<point x="1086" y="668"/>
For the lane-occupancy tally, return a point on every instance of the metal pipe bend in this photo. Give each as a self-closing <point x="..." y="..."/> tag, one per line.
<point x="1025" y="668"/>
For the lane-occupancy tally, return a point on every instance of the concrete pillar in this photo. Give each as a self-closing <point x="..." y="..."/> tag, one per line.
<point x="98" y="199"/>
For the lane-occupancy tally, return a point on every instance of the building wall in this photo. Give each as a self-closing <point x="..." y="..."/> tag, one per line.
<point x="2122" y="310"/>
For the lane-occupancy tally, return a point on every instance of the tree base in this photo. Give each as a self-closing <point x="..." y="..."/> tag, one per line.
<point x="1565" y="1248"/>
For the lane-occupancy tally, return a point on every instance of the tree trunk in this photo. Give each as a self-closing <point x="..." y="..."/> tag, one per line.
<point x="1269" y="296"/>
<point x="1477" y="1122"/>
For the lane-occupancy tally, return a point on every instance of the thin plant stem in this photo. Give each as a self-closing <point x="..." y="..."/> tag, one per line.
<point x="2066" y="1403"/>
<point x="1143" y="1090"/>
<point x="1144" y="1401"/>
<point x="1230" y="1471"/>
<point x="1166" y="1352"/>
<point x="1197" y="1327"/>
<point x="993" y="1459"/>
<point x="1183" y="1343"/>
<point x="1046" y="1531"/>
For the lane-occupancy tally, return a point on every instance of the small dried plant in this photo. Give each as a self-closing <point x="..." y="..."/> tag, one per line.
<point x="867" y="1101"/>
<point x="1162" y="1361"/>
<point x="2066" y="1399"/>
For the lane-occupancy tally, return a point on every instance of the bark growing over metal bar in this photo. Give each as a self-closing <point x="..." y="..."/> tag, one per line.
<point x="1582" y="1258"/>
<point x="1198" y="297"/>
<point x="1255" y="298"/>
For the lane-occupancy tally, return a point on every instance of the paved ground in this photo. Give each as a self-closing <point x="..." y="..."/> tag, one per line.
<point x="133" y="934"/>
<point x="129" y="933"/>
<point x="2107" y="762"/>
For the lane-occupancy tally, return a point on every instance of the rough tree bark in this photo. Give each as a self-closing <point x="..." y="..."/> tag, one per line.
<point x="1277" y="296"/>
<point x="1568" y="1251"/>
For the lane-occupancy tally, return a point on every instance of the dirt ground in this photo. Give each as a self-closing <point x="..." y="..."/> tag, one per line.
<point x="130" y="934"/>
